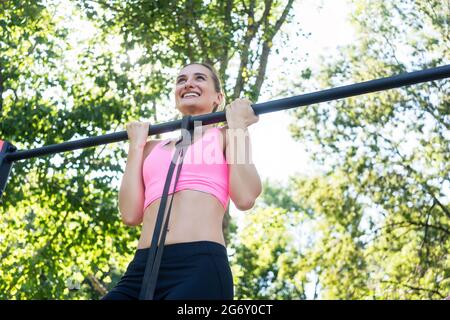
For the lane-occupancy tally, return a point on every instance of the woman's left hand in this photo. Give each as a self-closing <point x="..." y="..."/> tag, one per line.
<point x="240" y="114"/>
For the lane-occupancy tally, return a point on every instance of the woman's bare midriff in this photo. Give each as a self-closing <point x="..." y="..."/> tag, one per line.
<point x="195" y="216"/>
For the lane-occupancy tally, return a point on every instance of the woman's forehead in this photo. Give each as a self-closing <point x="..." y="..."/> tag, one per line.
<point x="194" y="68"/>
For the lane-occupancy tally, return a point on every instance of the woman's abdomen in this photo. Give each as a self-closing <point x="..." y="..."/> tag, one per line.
<point x="195" y="216"/>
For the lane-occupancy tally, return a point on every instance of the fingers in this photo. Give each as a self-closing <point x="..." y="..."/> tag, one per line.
<point x="137" y="125"/>
<point x="138" y="132"/>
<point x="239" y="102"/>
<point x="246" y="100"/>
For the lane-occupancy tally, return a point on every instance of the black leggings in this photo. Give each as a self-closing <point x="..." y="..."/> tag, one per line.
<point x="192" y="270"/>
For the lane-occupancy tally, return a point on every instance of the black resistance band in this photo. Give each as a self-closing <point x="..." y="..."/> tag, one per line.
<point x="156" y="251"/>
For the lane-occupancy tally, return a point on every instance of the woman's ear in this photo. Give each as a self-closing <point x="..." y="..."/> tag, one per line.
<point x="219" y="99"/>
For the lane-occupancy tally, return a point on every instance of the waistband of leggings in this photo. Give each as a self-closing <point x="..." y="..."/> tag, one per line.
<point x="187" y="249"/>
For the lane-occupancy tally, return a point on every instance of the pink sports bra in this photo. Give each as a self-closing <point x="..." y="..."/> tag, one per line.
<point x="204" y="169"/>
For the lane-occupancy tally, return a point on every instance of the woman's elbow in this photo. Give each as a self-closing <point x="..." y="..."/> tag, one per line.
<point x="131" y="220"/>
<point x="244" y="204"/>
<point x="247" y="202"/>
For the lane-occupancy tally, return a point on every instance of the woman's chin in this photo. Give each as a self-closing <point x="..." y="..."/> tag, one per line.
<point x="193" y="108"/>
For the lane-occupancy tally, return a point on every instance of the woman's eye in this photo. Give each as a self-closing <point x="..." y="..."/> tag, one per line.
<point x="179" y="81"/>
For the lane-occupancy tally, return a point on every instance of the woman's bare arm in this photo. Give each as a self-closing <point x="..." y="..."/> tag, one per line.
<point x="245" y="183"/>
<point x="131" y="193"/>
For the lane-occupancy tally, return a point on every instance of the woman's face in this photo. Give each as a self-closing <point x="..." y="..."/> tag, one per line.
<point x="195" y="92"/>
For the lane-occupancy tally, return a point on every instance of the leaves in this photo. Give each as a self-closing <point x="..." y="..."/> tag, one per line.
<point x="384" y="194"/>
<point x="70" y="70"/>
<point x="174" y="33"/>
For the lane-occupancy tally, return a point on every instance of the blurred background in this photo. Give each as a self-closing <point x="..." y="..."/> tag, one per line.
<point x="356" y="199"/>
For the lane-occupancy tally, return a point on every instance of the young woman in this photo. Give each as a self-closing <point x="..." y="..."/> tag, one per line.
<point x="215" y="168"/>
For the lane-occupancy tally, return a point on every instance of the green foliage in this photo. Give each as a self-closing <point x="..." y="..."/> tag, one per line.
<point x="388" y="153"/>
<point x="276" y="195"/>
<point x="265" y="254"/>
<point x="374" y="226"/>
<point x="75" y="69"/>
<point x="60" y="226"/>
<point x="173" y="33"/>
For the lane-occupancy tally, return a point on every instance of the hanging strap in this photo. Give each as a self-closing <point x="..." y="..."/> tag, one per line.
<point x="156" y="251"/>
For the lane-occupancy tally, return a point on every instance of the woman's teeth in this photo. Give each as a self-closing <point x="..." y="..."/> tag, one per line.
<point x="187" y="95"/>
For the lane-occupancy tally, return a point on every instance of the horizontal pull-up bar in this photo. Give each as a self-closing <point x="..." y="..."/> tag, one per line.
<point x="400" y="80"/>
<point x="10" y="155"/>
<point x="260" y="108"/>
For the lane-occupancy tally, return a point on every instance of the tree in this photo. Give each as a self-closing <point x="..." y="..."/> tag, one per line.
<point x="61" y="236"/>
<point x="59" y="217"/>
<point x="173" y="33"/>
<point x="265" y="250"/>
<point x="392" y="148"/>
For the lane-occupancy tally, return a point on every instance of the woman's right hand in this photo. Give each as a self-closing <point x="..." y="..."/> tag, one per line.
<point x="138" y="133"/>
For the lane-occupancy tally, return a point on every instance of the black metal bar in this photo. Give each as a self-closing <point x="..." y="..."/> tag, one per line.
<point x="5" y="165"/>
<point x="260" y="108"/>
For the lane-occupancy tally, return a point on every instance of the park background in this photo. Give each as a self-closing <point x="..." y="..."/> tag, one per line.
<point x="356" y="199"/>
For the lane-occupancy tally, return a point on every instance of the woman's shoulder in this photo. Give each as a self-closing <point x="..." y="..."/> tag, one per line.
<point x="217" y="130"/>
<point x="223" y="136"/>
<point x="222" y="129"/>
<point x="150" y="145"/>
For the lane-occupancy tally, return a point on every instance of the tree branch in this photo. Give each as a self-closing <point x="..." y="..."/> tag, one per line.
<point x="97" y="285"/>
<point x="243" y="5"/>
<point x="404" y="224"/>
<point x="411" y="170"/>
<point x="421" y="224"/>
<point x="245" y="51"/>
<point x="425" y="236"/>
<point x="198" y="33"/>
<point x="316" y="287"/>
<point x="265" y="15"/>
<point x="262" y="69"/>
<point x="104" y="4"/>
<point x="283" y="17"/>
<point x="413" y="288"/>
<point x="427" y="108"/>
<point x="270" y="34"/>
<point x="224" y="58"/>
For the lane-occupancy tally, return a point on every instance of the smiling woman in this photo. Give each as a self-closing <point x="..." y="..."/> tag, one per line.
<point x="194" y="263"/>
<point x="202" y="73"/>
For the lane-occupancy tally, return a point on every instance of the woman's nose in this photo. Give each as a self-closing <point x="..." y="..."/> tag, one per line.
<point x="188" y="83"/>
